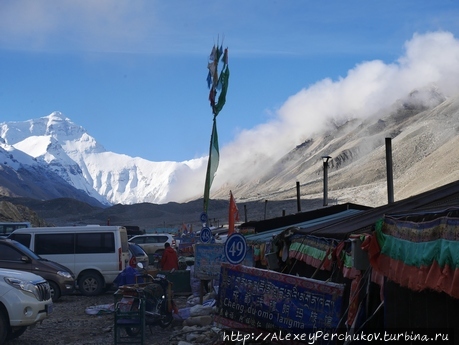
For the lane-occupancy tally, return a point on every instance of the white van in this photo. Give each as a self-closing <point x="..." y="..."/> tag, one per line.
<point x="95" y="254"/>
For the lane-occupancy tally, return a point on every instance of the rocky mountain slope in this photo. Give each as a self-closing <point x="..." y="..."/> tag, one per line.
<point x="11" y="212"/>
<point x="424" y="155"/>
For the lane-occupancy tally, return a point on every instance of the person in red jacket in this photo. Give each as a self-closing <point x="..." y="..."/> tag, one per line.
<point x="169" y="259"/>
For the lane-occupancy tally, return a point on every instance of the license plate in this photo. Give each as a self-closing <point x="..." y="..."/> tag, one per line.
<point x="49" y="308"/>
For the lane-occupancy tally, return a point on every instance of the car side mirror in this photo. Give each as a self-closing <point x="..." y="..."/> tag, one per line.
<point x="25" y="259"/>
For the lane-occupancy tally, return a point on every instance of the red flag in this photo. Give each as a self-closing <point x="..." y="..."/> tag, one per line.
<point x="233" y="214"/>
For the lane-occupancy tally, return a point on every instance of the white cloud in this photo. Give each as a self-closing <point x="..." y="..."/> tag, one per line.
<point x="430" y="59"/>
<point x="102" y="25"/>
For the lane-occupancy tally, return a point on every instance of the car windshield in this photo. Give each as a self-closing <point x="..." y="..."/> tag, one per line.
<point x="136" y="250"/>
<point x="26" y="250"/>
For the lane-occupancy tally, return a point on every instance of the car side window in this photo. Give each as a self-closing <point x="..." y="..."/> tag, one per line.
<point x="22" y="238"/>
<point x="137" y="240"/>
<point x="8" y="253"/>
<point x="95" y="243"/>
<point x="151" y="239"/>
<point x="54" y="244"/>
<point x="136" y="249"/>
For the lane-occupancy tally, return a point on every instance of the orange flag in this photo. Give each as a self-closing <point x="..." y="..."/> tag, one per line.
<point x="233" y="214"/>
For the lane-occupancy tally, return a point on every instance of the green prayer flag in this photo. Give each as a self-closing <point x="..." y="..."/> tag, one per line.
<point x="212" y="164"/>
<point x="224" y="78"/>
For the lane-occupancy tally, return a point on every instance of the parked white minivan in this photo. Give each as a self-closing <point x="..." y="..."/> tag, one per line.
<point x="95" y="254"/>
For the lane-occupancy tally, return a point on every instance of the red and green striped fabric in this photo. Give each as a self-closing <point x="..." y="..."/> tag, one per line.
<point x="321" y="253"/>
<point x="418" y="254"/>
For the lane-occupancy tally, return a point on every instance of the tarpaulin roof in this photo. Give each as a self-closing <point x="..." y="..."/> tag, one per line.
<point x="298" y="218"/>
<point x="438" y="198"/>
<point x="265" y="236"/>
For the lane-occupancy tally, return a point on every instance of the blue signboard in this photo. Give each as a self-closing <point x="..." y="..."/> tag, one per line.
<point x="235" y="248"/>
<point x="269" y="300"/>
<point x="186" y="242"/>
<point x="203" y="217"/>
<point x="209" y="257"/>
<point x="205" y="235"/>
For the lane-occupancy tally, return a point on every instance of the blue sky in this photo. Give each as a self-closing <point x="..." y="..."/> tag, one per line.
<point x="133" y="73"/>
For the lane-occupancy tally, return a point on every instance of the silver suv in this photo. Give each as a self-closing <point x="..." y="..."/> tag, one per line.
<point x="153" y="243"/>
<point x="25" y="299"/>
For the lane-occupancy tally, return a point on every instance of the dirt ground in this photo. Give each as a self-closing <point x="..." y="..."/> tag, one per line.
<point x="69" y="324"/>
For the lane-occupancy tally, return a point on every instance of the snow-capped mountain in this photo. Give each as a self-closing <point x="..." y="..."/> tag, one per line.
<point x="65" y="148"/>
<point x="22" y="175"/>
<point x="423" y="127"/>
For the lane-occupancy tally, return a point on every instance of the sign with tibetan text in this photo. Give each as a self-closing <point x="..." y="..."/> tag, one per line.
<point x="270" y="300"/>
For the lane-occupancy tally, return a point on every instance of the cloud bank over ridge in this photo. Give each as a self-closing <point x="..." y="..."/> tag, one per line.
<point x="430" y="60"/>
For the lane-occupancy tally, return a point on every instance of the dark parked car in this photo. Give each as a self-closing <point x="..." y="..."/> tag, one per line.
<point x="14" y="255"/>
<point x="136" y="255"/>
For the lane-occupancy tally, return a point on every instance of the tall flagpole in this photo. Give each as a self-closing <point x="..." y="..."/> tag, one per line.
<point x="218" y="85"/>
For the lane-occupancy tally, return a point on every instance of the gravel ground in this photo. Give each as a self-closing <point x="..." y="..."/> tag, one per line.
<point x="69" y="324"/>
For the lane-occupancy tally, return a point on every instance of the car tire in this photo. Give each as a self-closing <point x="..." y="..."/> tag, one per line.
<point x="4" y="326"/>
<point x="16" y="333"/>
<point x="91" y="284"/>
<point x="55" y="291"/>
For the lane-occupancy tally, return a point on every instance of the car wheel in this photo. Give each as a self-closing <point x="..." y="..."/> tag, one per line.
<point x="15" y="333"/>
<point x="91" y="284"/>
<point x="4" y="326"/>
<point x="55" y="291"/>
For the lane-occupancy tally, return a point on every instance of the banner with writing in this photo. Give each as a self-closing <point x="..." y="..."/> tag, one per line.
<point x="270" y="300"/>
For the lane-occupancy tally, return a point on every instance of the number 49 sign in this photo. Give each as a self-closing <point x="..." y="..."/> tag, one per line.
<point x="235" y="248"/>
